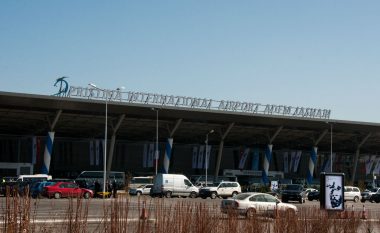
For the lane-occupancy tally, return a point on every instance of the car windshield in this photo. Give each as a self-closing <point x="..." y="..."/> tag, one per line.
<point x="373" y="189"/>
<point x="294" y="187"/>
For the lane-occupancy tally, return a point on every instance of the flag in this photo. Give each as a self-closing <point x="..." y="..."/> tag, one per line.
<point x="34" y="150"/>
<point x="145" y="155"/>
<point x="92" y="153"/>
<point x="286" y="162"/>
<point x="255" y="159"/>
<point x="207" y="157"/>
<point x="297" y="160"/>
<point x="292" y="158"/>
<point x="243" y="158"/>
<point x="200" y="156"/>
<point x="97" y="152"/>
<point x="150" y="155"/>
<point x="195" y="157"/>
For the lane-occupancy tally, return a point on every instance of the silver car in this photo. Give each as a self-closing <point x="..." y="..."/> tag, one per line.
<point x="142" y="189"/>
<point x="351" y="193"/>
<point x="251" y="203"/>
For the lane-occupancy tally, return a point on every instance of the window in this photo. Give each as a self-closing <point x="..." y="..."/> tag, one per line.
<point x="270" y="198"/>
<point x="187" y="182"/>
<point x="261" y="198"/>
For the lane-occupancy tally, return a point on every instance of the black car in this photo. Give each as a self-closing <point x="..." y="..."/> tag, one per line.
<point x="367" y="194"/>
<point x="313" y="195"/>
<point x="375" y="198"/>
<point x="293" y="192"/>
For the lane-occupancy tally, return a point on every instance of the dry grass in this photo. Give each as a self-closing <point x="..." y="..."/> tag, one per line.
<point x="179" y="217"/>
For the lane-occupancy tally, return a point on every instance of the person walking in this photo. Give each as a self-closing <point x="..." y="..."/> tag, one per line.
<point x="114" y="189"/>
<point x="97" y="188"/>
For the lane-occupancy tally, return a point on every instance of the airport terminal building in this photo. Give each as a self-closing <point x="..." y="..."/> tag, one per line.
<point x="74" y="129"/>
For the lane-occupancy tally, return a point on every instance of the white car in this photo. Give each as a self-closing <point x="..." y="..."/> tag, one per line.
<point x="142" y="189"/>
<point x="251" y="203"/>
<point x="223" y="189"/>
<point x="351" y="193"/>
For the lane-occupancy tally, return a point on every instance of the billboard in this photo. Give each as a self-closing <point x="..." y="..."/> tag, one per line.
<point x="332" y="191"/>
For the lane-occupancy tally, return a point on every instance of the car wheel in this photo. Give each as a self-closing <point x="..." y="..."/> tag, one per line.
<point x="356" y="199"/>
<point x="193" y="195"/>
<point x="251" y="212"/>
<point x="86" y="195"/>
<point x="234" y="194"/>
<point x="310" y="199"/>
<point x="377" y="200"/>
<point x="138" y="193"/>
<point x="213" y="195"/>
<point x="168" y="194"/>
<point x="57" y="195"/>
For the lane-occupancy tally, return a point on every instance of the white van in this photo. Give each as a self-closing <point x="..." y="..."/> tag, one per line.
<point x="169" y="185"/>
<point x="34" y="178"/>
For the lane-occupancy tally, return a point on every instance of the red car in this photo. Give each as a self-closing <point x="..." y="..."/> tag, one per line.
<point x="66" y="189"/>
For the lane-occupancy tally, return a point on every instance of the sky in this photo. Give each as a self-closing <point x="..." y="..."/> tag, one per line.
<point x="321" y="54"/>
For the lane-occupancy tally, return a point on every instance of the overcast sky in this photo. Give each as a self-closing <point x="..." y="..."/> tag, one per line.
<point x="320" y="54"/>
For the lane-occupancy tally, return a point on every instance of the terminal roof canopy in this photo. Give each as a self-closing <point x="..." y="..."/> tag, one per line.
<point x="27" y="115"/>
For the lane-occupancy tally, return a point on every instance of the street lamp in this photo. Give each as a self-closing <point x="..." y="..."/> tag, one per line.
<point x="331" y="141"/>
<point x="206" y="162"/>
<point x="105" y="135"/>
<point x="156" y="152"/>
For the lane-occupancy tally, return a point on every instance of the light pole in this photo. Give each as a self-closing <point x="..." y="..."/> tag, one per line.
<point x="156" y="152"/>
<point x="206" y="161"/>
<point x="331" y="141"/>
<point x="105" y="135"/>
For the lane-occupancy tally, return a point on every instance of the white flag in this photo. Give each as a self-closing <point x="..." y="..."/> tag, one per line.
<point x="200" y="156"/>
<point x="207" y="156"/>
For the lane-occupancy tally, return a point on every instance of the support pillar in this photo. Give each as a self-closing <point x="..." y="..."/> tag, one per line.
<point x="357" y="157"/>
<point x="112" y="143"/>
<point x="220" y="151"/>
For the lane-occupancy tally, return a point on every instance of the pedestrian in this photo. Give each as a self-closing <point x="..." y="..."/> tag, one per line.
<point x="114" y="189"/>
<point x="97" y="188"/>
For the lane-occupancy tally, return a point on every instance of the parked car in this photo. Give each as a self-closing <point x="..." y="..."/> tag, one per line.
<point x="11" y="186"/>
<point x="169" y="185"/>
<point x="313" y="195"/>
<point x="308" y="190"/>
<point x="37" y="188"/>
<point x="351" y="193"/>
<point x="367" y="194"/>
<point x="251" y="203"/>
<point x="375" y="197"/>
<point x="142" y="189"/>
<point x="223" y="189"/>
<point x="293" y="192"/>
<point x="66" y="189"/>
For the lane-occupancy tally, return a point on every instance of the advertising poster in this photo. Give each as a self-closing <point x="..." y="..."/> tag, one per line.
<point x="332" y="191"/>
